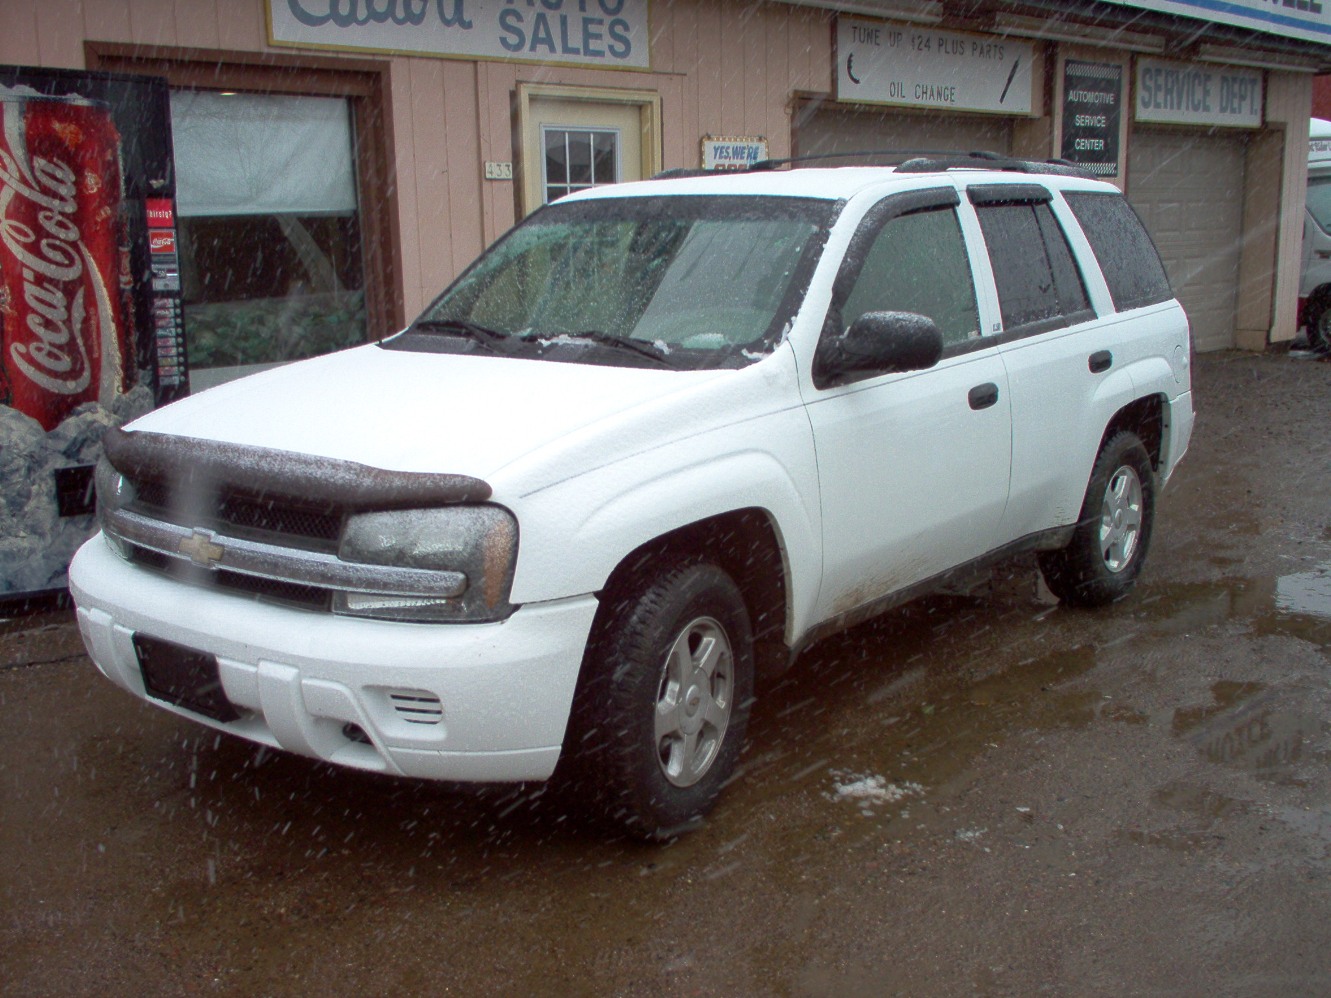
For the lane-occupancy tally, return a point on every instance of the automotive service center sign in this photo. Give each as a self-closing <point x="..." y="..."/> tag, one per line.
<point x="608" y="34"/>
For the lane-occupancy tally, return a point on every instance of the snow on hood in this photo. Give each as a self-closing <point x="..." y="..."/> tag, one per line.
<point x="406" y="411"/>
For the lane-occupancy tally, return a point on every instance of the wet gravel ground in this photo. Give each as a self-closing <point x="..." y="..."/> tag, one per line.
<point x="985" y="794"/>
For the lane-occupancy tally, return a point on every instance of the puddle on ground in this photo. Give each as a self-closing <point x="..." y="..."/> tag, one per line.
<point x="1253" y="737"/>
<point x="1198" y="809"/>
<point x="1305" y="594"/>
<point x="1297" y="605"/>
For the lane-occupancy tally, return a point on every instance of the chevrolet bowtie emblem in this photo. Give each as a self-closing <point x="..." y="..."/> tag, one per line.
<point x="201" y="550"/>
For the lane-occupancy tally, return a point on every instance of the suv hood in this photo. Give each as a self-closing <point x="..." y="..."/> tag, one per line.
<point x="417" y="412"/>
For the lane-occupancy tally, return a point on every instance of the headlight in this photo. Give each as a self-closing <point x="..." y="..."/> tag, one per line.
<point x="481" y="542"/>
<point x="113" y="489"/>
<point x="114" y="492"/>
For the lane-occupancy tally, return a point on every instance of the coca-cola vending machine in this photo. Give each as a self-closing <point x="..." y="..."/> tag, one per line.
<point x="90" y="318"/>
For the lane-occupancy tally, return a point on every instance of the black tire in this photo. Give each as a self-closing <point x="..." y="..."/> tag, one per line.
<point x="1102" y="561"/>
<point x="664" y="699"/>
<point x="1317" y="322"/>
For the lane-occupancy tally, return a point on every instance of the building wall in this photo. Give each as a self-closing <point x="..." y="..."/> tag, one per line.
<point x="719" y="67"/>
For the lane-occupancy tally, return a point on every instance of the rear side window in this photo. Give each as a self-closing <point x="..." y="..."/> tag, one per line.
<point x="1129" y="259"/>
<point x="1036" y="276"/>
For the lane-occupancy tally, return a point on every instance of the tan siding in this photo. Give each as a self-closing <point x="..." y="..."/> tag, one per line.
<point x="1289" y="103"/>
<point x="429" y="152"/>
<point x="685" y="44"/>
<point x="465" y="234"/>
<point x="18" y="35"/>
<point x="242" y="26"/>
<point x="404" y="167"/>
<point x="196" y="25"/>
<point x="495" y="102"/>
<point x="106" y="21"/>
<point x="59" y="35"/>
<point x="153" y="22"/>
<point x="753" y="26"/>
<point x="776" y="126"/>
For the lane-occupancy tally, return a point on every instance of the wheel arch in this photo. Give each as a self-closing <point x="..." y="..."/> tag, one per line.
<point x="745" y="544"/>
<point x="1144" y="417"/>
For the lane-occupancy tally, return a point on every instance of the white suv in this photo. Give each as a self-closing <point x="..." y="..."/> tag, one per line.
<point x="654" y="442"/>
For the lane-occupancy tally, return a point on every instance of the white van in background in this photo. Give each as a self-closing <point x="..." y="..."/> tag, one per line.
<point x="1315" y="283"/>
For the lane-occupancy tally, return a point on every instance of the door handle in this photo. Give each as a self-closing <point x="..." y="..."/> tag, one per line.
<point x="983" y="396"/>
<point x="1101" y="360"/>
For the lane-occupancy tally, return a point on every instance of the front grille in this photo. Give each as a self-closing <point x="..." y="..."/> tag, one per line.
<point x="269" y="590"/>
<point x="242" y="515"/>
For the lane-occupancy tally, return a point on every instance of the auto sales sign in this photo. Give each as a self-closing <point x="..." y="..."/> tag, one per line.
<point x="608" y="34"/>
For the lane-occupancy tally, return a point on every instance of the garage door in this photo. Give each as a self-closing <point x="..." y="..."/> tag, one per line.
<point x="1188" y="188"/>
<point x="820" y="128"/>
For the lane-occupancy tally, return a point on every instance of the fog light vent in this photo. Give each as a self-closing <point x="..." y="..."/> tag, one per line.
<point x="355" y="733"/>
<point x="417" y="706"/>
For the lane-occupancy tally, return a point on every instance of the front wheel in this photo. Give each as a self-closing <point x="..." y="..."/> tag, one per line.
<point x="665" y="698"/>
<point x="1104" y="557"/>
<point x="1317" y="322"/>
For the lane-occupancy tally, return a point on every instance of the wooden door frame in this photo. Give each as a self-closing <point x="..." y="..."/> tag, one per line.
<point x="363" y="83"/>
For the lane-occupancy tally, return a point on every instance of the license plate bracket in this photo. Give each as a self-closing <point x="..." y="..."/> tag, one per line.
<point x="183" y="677"/>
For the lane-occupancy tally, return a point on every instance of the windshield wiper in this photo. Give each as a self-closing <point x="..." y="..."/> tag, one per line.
<point x="487" y="337"/>
<point x="602" y="338"/>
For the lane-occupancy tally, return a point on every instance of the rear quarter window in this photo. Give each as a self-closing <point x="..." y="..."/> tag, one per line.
<point x="1125" y="252"/>
<point x="1039" y="286"/>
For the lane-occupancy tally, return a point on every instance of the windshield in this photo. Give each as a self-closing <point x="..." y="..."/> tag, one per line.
<point x="679" y="281"/>
<point x="1319" y="201"/>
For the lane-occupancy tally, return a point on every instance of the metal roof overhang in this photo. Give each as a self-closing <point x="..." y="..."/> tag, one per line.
<point x="1109" y="25"/>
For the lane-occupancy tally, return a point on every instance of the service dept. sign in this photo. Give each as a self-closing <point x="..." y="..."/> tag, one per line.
<point x="911" y="66"/>
<point x="1194" y="93"/>
<point x="604" y="33"/>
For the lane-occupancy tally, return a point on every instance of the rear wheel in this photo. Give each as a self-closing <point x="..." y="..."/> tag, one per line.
<point x="665" y="699"/>
<point x="1105" y="555"/>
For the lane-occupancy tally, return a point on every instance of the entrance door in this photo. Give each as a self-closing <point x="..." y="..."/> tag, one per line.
<point x="576" y="139"/>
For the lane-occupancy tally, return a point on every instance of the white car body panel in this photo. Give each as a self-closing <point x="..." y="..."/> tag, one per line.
<point x="870" y="488"/>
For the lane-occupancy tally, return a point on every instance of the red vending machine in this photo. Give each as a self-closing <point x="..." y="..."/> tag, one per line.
<point x="90" y="319"/>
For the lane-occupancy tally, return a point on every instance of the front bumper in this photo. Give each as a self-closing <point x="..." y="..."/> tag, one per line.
<point x="299" y="678"/>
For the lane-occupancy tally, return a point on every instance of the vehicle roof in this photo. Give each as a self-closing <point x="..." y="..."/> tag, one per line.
<point x="826" y="183"/>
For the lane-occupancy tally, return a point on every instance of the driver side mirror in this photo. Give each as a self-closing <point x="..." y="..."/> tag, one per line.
<point x="877" y="343"/>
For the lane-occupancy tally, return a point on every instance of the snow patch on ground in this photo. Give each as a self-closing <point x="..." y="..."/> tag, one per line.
<point x="869" y="790"/>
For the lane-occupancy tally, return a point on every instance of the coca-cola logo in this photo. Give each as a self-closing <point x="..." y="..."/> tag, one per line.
<point x="57" y="270"/>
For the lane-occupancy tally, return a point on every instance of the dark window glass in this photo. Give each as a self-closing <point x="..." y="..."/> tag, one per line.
<point x="266" y="288"/>
<point x="1319" y="201"/>
<point x="1131" y="265"/>
<point x="1067" y="278"/>
<point x="701" y="281"/>
<point x="576" y="159"/>
<point x="918" y="264"/>
<point x="1034" y="271"/>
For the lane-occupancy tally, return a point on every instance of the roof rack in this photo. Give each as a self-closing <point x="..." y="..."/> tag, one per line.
<point x="937" y="160"/>
<point x="991" y="161"/>
<point x="912" y="161"/>
<point x="901" y="154"/>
